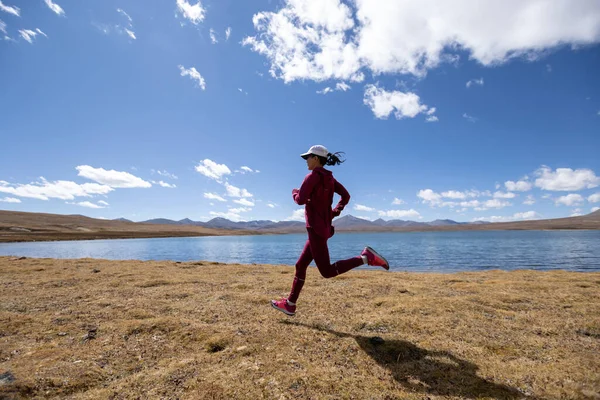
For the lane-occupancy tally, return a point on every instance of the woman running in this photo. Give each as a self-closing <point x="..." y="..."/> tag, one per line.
<point x="316" y="193"/>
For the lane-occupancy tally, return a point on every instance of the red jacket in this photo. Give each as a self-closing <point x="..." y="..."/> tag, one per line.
<point x="317" y="192"/>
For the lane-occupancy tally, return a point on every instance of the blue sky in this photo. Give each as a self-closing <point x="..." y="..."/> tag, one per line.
<point x="186" y="109"/>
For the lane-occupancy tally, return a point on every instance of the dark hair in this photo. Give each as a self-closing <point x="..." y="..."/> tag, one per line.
<point x="332" y="159"/>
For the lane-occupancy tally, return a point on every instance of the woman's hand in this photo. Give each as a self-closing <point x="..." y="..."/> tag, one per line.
<point x="295" y="191"/>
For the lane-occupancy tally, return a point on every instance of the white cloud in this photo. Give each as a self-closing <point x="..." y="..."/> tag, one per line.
<point x="213" y="170"/>
<point x="383" y="103"/>
<point x="595" y="209"/>
<point x="230" y="215"/>
<point x="430" y="197"/>
<point x="239" y="210"/>
<point x="472" y="82"/>
<point x="594" y="198"/>
<point x="271" y="205"/>
<point x="28" y="34"/>
<point x="469" y="118"/>
<point x="10" y="9"/>
<point x="55" y="7"/>
<point x="213" y="37"/>
<point x="400" y="213"/>
<point x="38" y="30"/>
<point x="104" y="203"/>
<point x="244" y="202"/>
<point x="398" y="201"/>
<point x="530" y="200"/>
<point x="504" y="195"/>
<point x="166" y="174"/>
<point x="297" y="215"/>
<point x="325" y="91"/>
<point x="167" y="185"/>
<point x="123" y="13"/>
<point x="2" y="27"/>
<point x="519" y="186"/>
<point x="576" y="214"/>
<point x="45" y="190"/>
<point x="528" y="215"/>
<point x="328" y="39"/>
<point x="227" y="33"/>
<point x="244" y="169"/>
<point x="194" y="13"/>
<point x="213" y="196"/>
<point x="453" y="194"/>
<point x="233" y="191"/>
<point x="194" y="75"/>
<point x="112" y="178"/>
<point x="495" y="203"/>
<point x="360" y="207"/>
<point x="342" y="86"/>
<point x="432" y="118"/>
<point x="570" y="200"/>
<point x="566" y="179"/>
<point x="10" y="200"/>
<point x="89" y="204"/>
<point x="131" y="34"/>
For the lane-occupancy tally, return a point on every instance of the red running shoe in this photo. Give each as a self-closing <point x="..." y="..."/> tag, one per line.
<point x="375" y="259"/>
<point x="283" y="306"/>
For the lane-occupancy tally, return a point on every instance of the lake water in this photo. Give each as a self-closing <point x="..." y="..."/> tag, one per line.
<point x="405" y="251"/>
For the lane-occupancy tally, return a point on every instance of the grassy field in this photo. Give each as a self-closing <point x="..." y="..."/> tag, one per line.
<point x="97" y="329"/>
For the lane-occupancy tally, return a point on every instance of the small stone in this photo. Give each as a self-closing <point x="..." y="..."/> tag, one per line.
<point x="241" y="348"/>
<point x="6" y="378"/>
<point x="95" y="271"/>
<point x="62" y="333"/>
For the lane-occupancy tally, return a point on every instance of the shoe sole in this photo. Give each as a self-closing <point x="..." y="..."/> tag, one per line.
<point x="286" y="312"/>
<point x="387" y="264"/>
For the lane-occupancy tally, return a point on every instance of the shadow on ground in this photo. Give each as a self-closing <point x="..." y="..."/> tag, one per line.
<point x="426" y="371"/>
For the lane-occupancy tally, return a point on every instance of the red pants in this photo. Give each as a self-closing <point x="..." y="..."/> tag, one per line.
<point x="316" y="249"/>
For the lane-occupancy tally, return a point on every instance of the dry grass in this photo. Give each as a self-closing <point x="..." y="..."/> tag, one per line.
<point x="205" y="330"/>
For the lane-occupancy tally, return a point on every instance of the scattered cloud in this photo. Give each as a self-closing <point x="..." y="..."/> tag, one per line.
<point x="30" y="35"/>
<point x="360" y="207"/>
<point x="430" y="197"/>
<point x="10" y="200"/>
<point x="383" y="103"/>
<point x="123" y="13"/>
<point x="244" y="169"/>
<point x="55" y="7"/>
<point x="530" y="200"/>
<point x="166" y="174"/>
<point x="398" y="201"/>
<point x="519" y="186"/>
<point x="165" y="184"/>
<point x="343" y="86"/>
<point x="566" y="179"/>
<point x="330" y="39"/>
<point x="297" y="215"/>
<point x="233" y="191"/>
<point x="227" y="33"/>
<point x="469" y="118"/>
<point x="89" y="204"/>
<point x="594" y="198"/>
<point x="213" y="170"/>
<point x="271" y="205"/>
<point x="400" y="214"/>
<point x="231" y="215"/>
<point x="194" y="13"/>
<point x="570" y="200"/>
<point x="244" y="202"/>
<point x="213" y="36"/>
<point x="102" y="202"/>
<point x="14" y="10"/>
<point x="2" y="27"/>
<point x="112" y="178"/>
<point x="595" y="209"/>
<point x="478" y="82"/>
<point x="45" y="190"/>
<point x="194" y="75"/>
<point x="325" y="91"/>
<point x="504" y="195"/>
<point x="213" y="196"/>
<point x="131" y="34"/>
<point x="528" y="215"/>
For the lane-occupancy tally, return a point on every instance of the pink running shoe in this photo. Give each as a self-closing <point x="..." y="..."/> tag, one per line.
<point x="374" y="258"/>
<point x="283" y="306"/>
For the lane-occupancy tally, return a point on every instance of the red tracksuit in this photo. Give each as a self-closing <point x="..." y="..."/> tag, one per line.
<point x="316" y="193"/>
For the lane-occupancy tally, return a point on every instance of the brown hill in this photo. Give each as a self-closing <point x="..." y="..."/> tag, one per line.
<point x="25" y="227"/>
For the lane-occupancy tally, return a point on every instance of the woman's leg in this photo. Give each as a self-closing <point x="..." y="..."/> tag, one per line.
<point x="301" y="267"/>
<point x="320" y="253"/>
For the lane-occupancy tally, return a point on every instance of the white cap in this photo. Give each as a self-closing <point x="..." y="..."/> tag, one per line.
<point x="317" y="150"/>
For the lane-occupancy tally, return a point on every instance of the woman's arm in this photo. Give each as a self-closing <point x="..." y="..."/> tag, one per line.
<point x="302" y="195"/>
<point x="345" y="198"/>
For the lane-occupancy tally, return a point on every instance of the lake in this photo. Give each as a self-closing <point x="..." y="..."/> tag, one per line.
<point x="405" y="251"/>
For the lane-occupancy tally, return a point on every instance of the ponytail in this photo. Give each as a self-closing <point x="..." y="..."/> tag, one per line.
<point x="333" y="158"/>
